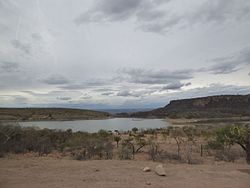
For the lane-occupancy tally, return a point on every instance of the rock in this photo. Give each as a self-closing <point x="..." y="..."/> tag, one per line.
<point x="146" y="169"/>
<point x="148" y="183"/>
<point x="159" y="170"/>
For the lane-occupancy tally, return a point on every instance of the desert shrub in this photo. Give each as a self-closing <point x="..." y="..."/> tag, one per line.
<point x="150" y="131"/>
<point x="153" y="150"/>
<point x="164" y="155"/>
<point x="16" y="139"/>
<point x="135" y="129"/>
<point x="226" y="155"/>
<point x="127" y="150"/>
<point x="117" y="139"/>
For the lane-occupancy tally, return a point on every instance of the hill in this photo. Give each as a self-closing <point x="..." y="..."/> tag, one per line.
<point x="36" y="114"/>
<point x="205" y="107"/>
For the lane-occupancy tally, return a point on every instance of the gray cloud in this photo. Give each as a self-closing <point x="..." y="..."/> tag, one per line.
<point x="110" y="10"/>
<point x="9" y="67"/>
<point x="135" y="93"/>
<point x="84" y="85"/>
<point x="124" y="93"/>
<point x="230" y="63"/>
<point x="55" y="80"/>
<point x="150" y="17"/>
<point x="24" y="47"/>
<point x="175" y="86"/>
<point x="64" y="98"/>
<point x="36" y="36"/>
<point x="143" y="76"/>
<point x="224" y="68"/>
<point x="210" y="12"/>
<point x="107" y="93"/>
<point x="86" y="96"/>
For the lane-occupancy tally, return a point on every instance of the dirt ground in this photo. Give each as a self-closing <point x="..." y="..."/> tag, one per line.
<point x="36" y="172"/>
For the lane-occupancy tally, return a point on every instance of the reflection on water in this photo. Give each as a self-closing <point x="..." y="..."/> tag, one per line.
<point x="122" y="124"/>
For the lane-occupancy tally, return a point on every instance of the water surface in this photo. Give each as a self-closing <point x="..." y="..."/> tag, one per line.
<point x="121" y="124"/>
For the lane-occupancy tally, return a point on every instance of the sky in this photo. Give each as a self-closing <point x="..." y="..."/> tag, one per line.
<point x="102" y="54"/>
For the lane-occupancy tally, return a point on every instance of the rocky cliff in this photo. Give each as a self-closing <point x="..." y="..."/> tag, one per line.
<point x="205" y="107"/>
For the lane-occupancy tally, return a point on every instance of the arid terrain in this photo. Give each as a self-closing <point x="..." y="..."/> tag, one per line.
<point x="39" y="114"/>
<point x="35" y="172"/>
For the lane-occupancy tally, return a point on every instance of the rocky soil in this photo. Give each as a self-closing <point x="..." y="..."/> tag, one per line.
<point x="40" y="172"/>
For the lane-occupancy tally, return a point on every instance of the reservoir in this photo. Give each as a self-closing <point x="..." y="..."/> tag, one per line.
<point x="120" y="124"/>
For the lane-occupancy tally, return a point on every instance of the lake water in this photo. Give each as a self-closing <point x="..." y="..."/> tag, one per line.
<point x="121" y="124"/>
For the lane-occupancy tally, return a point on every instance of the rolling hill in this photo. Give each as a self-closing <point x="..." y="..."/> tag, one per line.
<point x="35" y="114"/>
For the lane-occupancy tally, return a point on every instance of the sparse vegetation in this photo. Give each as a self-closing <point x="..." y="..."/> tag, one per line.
<point x="34" y="114"/>
<point x="190" y="144"/>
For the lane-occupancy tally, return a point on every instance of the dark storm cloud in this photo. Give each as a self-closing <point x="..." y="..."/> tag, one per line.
<point x="8" y="67"/>
<point x="55" y="80"/>
<point x="175" y="86"/>
<point x="150" y="17"/>
<point x="143" y="76"/>
<point x="24" y="47"/>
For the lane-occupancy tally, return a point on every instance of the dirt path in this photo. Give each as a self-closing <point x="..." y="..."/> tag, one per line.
<point x="34" y="172"/>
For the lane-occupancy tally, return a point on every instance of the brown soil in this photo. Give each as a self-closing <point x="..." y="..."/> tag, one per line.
<point x="36" y="172"/>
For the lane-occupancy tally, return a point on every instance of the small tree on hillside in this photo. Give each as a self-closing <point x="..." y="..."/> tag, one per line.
<point x="117" y="139"/>
<point x="231" y="135"/>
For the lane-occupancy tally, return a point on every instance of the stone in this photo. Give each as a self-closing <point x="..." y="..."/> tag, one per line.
<point x="146" y="169"/>
<point x="148" y="183"/>
<point x="159" y="170"/>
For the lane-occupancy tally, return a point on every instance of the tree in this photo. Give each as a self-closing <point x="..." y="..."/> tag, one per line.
<point x="178" y="134"/>
<point x="135" y="129"/>
<point x="117" y="139"/>
<point x="230" y="135"/>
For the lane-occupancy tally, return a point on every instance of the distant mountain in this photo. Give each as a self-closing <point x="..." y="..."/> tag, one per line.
<point x="124" y="110"/>
<point x="205" y="107"/>
<point x="35" y="114"/>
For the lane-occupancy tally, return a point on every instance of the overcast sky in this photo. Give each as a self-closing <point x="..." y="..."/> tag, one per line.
<point x="121" y="53"/>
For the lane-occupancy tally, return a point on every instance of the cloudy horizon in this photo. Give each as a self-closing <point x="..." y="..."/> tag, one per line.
<point x="102" y="54"/>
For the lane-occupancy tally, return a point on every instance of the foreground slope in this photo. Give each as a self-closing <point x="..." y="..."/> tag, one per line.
<point x="47" y="172"/>
<point x="33" y="114"/>
<point x="205" y="107"/>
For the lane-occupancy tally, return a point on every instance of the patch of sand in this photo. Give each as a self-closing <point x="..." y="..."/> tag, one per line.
<point x="41" y="172"/>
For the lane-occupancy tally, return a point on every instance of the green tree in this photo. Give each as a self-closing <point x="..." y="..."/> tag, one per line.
<point x="230" y="135"/>
<point x="117" y="139"/>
